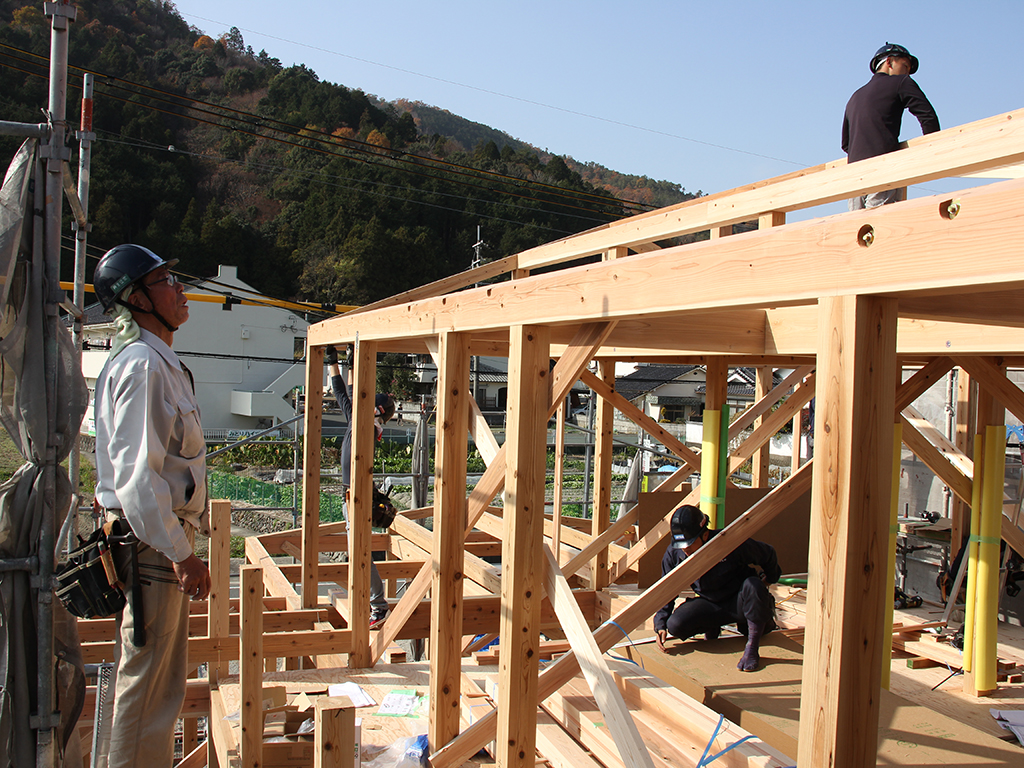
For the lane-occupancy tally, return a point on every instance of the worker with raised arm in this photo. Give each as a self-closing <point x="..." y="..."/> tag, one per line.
<point x="384" y="409"/>
<point x="731" y="591"/>
<point x="874" y="115"/>
<point x="150" y="471"/>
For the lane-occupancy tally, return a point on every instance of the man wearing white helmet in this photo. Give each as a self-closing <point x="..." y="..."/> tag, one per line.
<point x="151" y="471"/>
<point x="874" y="114"/>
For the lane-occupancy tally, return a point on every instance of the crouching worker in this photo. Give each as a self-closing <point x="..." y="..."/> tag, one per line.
<point x="730" y="592"/>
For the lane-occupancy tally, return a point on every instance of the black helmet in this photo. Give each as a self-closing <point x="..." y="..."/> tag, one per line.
<point x="688" y="523"/>
<point x="122" y="266"/>
<point x="891" y="49"/>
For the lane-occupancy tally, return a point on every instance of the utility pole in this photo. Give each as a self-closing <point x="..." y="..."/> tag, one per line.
<point x="474" y="362"/>
<point x="81" y="229"/>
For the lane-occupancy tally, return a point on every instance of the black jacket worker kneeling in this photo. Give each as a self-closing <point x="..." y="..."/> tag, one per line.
<point x="730" y="592"/>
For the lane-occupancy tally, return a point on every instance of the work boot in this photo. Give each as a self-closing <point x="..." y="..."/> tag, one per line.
<point x="751" y="657"/>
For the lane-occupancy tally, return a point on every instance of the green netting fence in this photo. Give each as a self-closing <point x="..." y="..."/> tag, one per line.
<point x="270" y="495"/>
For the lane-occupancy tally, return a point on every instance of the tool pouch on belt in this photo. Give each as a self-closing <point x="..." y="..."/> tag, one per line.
<point x="383" y="510"/>
<point x="88" y="584"/>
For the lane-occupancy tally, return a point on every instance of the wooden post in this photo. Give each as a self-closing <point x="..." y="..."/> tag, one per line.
<point x="334" y="734"/>
<point x="798" y="421"/>
<point x="890" y="563"/>
<point x="761" y="460"/>
<point x="219" y="604"/>
<point x="364" y="390"/>
<point x="523" y="561"/>
<point x="453" y="393"/>
<point x="251" y="666"/>
<point x="312" y="427"/>
<point x="603" y="432"/>
<point x="857" y="374"/>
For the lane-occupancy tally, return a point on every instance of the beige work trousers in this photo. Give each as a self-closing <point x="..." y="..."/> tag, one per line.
<point x="150" y="684"/>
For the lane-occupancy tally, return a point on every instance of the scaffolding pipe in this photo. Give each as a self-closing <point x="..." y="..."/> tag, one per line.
<point x="47" y="719"/>
<point x="26" y="130"/>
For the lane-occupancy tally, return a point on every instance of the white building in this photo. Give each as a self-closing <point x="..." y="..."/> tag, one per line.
<point x="245" y="359"/>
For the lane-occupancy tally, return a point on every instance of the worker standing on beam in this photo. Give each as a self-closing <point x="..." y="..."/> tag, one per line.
<point x="151" y="471"/>
<point x="732" y="591"/>
<point x="384" y="409"/>
<point x="874" y="114"/>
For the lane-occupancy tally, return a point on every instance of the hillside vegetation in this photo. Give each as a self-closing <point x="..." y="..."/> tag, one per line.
<point x="212" y="153"/>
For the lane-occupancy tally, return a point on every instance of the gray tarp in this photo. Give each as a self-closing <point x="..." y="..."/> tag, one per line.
<point x="25" y="345"/>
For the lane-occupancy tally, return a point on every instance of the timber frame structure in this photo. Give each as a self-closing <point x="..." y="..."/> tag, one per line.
<point x="929" y="283"/>
<point x="847" y="303"/>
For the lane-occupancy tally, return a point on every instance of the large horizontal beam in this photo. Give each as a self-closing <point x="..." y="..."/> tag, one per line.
<point x="914" y="249"/>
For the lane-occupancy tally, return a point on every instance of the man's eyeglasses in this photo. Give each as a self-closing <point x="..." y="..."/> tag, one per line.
<point x="169" y="278"/>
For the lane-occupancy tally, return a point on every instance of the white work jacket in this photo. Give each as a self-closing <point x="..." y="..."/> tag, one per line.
<point x="150" y="451"/>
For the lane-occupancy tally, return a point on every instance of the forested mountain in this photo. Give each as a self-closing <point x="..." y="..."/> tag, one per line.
<point x="212" y="153"/>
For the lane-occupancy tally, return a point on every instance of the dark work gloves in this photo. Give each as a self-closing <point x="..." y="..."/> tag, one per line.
<point x="330" y="355"/>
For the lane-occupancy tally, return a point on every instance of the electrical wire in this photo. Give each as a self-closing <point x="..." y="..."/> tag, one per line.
<point x="509" y="96"/>
<point x="256" y="121"/>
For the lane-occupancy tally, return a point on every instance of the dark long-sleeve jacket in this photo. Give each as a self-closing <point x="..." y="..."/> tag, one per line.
<point x="343" y="395"/>
<point x="874" y="115"/>
<point x="724" y="580"/>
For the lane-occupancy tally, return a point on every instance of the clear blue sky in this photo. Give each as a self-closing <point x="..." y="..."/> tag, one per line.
<point x="710" y="95"/>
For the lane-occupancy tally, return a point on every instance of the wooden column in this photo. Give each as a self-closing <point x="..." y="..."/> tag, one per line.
<point x="312" y="427"/>
<point x="364" y="389"/>
<point x="219" y="604"/>
<point x="603" y="434"/>
<point x="857" y="375"/>
<point x="761" y="460"/>
<point x="251" y="666"/>
<point x="523" y="561"/>
<point x="334" y="735"/>
<point x="453" y="398"/>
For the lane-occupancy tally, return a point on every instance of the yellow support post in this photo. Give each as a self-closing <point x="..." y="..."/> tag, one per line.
<point x="972" y="557"/>
<point x="894" y="505"/>
<point x="709" y="465"/>
<point x="986" y="616"/>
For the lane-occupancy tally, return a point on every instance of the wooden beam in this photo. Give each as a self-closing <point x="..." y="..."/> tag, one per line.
<point x="312" y="429"/>
<point x="453" y="412"/>
<point x="640" y="609"/>
<point x="276" y="584"/>
<point x="364" y="390"/>
<point x="915" y="248"/>
<point x="922" y="380"/>
<point x="940" y="456"/>
<point x="627" y="738"/>
<point x="991" y="377"/>
<point x="522" y="559"/>
<point x="857" y="372"/>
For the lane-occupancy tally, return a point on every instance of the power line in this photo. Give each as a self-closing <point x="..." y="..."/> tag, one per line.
<point x="506" y="95"/>
<point x="321" y="137"/>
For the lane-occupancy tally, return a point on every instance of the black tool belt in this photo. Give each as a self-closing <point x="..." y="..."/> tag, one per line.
<point x="88" y="584"/>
